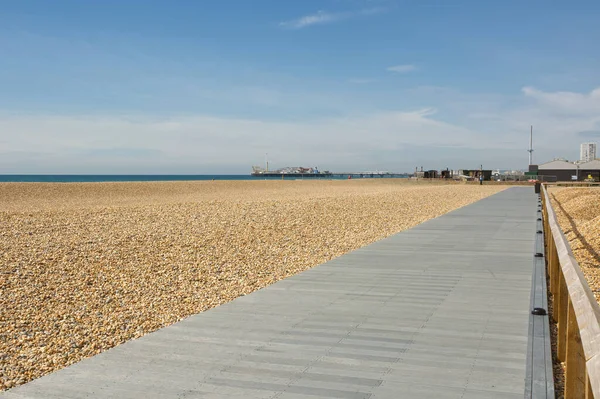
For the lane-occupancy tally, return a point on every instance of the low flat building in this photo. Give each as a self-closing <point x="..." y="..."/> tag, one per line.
<point x="557" y="170"/>
<point x="430" y="174"/>
<point x="475" y="173"/>
<point x="589" y="170"/>
<point x="561" y="170"/>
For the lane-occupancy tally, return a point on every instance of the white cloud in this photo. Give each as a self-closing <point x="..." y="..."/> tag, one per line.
<point x="395" y="140"/>
<point x="320" y="17"/>
<point x="567" y="102"/>
<point x="63" y="143"/>
<point x="558" y="118"/>
<point x="323" y="17"/>
<point x="402" y="68"/>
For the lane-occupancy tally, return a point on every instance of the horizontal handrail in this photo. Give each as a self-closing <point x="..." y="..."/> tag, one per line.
<point x="575" y="310"/>
<point x="576" y="184"/>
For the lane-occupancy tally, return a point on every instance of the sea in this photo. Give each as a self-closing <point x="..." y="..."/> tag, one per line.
<point x="135" y="178"/>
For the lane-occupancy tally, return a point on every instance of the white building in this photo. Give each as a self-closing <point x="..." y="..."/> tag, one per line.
<point x="588" y="152"/>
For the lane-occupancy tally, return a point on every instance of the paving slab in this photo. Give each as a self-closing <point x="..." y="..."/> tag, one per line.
<point x="437" y="311"/>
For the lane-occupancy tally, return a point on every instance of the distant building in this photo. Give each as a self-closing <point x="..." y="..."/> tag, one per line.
<point x="430" y="174"/>
<point x="426" y="174"/>
<point x="475" y="173"/>
<point x="561" y="170"/>
<point x="587" y="152"/>
<point x="589" y="170"/>
<point x="557" y="170"/>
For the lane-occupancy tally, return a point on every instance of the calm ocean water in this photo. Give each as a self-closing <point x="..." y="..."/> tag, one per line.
<point x="126" y="178"/>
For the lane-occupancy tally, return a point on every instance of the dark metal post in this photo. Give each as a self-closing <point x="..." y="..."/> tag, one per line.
<point x="481" y="175"/>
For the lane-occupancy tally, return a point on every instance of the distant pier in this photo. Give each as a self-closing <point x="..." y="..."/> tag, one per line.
<point x="332" y="175"/>
<point x="370" y="174"/>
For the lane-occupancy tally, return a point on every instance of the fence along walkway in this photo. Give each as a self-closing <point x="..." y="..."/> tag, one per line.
<point x="437" y="311"/>
<point x="575" y="310"/>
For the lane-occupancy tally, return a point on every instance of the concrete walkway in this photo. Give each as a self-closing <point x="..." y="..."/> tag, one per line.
<point x="438" y="311"/>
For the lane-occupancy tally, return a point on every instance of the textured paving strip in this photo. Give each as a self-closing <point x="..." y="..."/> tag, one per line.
<point x="437" y="311"/>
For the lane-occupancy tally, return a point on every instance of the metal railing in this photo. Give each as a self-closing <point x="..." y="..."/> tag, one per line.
<point x="576" y="311"/>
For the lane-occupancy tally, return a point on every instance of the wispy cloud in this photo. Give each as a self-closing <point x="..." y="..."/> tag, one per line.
<point x="389" y="139"/>
<point x="157" y="143"/>
<point x="323" y="17"/>
<point x="567" y="102"/>
<point x="402" y="68"/>
<point x="320" y="17"/>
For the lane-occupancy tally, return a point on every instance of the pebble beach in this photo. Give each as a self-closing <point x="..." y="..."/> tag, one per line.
<point x="87" y="266"/>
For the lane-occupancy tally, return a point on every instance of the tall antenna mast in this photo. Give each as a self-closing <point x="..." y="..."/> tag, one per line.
<point x="530" y="150"/>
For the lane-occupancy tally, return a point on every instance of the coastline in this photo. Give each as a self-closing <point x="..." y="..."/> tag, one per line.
<point x="52" y="178"/>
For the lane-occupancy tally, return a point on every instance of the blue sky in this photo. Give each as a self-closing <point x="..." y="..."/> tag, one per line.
<point x="211" y="86"/>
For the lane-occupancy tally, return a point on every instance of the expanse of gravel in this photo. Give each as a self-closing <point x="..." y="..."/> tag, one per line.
<point x="578" y="213"/>
<point x="85" y="267"/>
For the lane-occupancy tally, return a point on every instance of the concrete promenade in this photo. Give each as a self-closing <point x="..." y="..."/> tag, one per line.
<point x="437" y="311"/>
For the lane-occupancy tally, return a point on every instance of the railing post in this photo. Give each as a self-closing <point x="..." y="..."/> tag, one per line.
<point x="556" y="269"/>
<point x="551" y="265"/>
<point x="588" y="388"/>
<point x="547" y="232"/>
<point x="575" y="367"/>
<point x="561" y="304"/>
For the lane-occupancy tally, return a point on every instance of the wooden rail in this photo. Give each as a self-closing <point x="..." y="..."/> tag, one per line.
<point x="576" y="311"/>
<point x="577" y="184"/>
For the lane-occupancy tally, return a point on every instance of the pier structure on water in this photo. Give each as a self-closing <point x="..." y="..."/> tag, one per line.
<point x="312" y="173"/>
<point x="370" y="174"/>
<point x="332" y="175"/>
